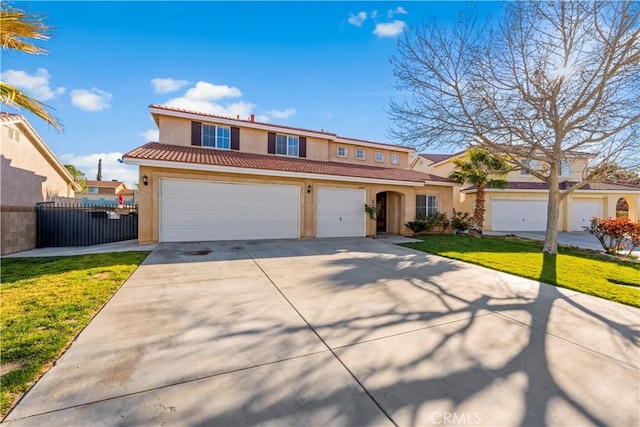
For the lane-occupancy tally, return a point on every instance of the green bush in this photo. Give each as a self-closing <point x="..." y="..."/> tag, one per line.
<point x="460" y="222"/>
<point x="427" y="223"/>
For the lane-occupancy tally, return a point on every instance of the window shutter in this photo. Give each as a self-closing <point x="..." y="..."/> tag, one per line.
<point x="302" y="147"/>
<point x="196" y="133"/>
<point x="235" y="138"/>
<point x="271" y="143"/>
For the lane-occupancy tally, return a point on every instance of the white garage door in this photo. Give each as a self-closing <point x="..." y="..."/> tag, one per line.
<point x="201" y="211"/>
<point x="340" y="212"/>
<point x="518" y="215"/>
<point x="583" y="211"/>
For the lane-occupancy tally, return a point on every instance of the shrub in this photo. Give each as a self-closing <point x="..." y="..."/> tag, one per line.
<point x="428" y="223"/>
<point x="460" y="222"/>
<point x="615" y="235"/>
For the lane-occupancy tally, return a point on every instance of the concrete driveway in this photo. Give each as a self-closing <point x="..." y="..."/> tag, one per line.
<point x="340" y="332"/>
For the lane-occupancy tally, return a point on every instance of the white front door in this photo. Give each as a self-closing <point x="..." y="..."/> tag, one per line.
<point x="340" y="212"/>
<point x="203" y="210"/>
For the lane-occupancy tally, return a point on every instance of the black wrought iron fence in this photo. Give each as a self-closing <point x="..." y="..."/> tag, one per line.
<point x="68" y="225"/>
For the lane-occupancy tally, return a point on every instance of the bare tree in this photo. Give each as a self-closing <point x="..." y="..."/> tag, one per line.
<point x="552" y="81"/>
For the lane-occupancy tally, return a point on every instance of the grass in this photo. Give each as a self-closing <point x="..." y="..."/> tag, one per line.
<point x="46" y="302"/>
<point x="578" y="269"/>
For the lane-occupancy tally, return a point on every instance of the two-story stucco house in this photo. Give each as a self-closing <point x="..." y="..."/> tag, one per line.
<point x="219" y="178"/>
<point x="522" y="206"/>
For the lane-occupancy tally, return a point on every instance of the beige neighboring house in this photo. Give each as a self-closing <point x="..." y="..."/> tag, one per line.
<point x="220" y="178"/>
<point x="30" y="173"/>
<point x="522" y="206"/>
<point x="106" y="193"/>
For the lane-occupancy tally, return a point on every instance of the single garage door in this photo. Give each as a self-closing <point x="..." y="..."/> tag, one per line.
<point x="518" y="215"/>
<point x="583" y="211"/>
<point x="201" y="211"/>
<point x="340" y="212"/>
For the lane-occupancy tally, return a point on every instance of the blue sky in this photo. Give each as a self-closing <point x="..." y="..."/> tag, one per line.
<point x="315" y="65"/>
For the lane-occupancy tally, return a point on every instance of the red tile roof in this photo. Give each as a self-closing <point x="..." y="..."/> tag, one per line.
<point x="565" y="185"/>
<point x="275" y="126"/>
<point x="207" y="156"/>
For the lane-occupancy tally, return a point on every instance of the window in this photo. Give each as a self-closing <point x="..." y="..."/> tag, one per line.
<point x="563" y="168"/>
<point x="379" y="156"/>
<point x="533" y="164"/>
<point x="395" y="158"/>
<point x="287" y="145"/>
<point x="216" y="136"/>
<point x="92" y="190"/>
<point x="14" y="134"/>
<point x="426" y="205"/>
<point x="342" y="151"/>
<point x="360" y="154"/>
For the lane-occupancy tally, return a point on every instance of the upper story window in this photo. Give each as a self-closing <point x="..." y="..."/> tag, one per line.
<point x="14" y="134"/>
<point x="395" y="158"/>
<point x="379" y="156"/>
<point x="287" y="145"/>
<point x="533" y="164"/>
<point x="216" y="136"/>
<point x="360" y="154"/>
<point x="564" y="168"/>
<point x="425" y="205"/>
<point x="92" y="190"/>
<point x="342" y="151"/>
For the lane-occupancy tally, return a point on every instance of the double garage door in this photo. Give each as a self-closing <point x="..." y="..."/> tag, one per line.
<point x="531" y="215"/>
<point x="201" y="211"/>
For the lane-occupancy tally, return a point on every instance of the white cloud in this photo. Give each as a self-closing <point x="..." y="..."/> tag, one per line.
<point x="277" y="114"/>
<point x="397" y="11"/>
<point x="167" y="85"/>
<point x="93" y="100"/>
<point x="241" y="108"/>
<point x="389" y="29"/>
<point x="150" y="135"/>
<point x="204" y="91"/>
<point x="357" y="19"/>
<point x="111" y="168"/>
<point x="36" y="85"/>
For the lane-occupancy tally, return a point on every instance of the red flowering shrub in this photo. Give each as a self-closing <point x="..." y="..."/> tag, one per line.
<point x="615" y="235"/>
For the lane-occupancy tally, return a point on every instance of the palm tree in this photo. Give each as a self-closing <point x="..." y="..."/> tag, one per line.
<point x="480" y="169"/>
<point x="17" y="30"/>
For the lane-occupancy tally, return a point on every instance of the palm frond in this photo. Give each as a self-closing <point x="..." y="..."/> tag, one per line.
<point x="18" y="27"/>
<point x="12" y="96"/>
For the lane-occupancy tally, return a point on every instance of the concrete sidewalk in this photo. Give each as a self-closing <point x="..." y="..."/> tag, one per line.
<point x="125" y="246"/>
<point x="340" y="332"/>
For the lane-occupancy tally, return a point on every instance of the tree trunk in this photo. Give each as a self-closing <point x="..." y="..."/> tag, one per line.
<point x="478" y="211"/>
<point x="553" y="213"/>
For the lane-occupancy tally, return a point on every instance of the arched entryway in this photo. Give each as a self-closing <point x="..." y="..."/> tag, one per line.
<point x="622" y="208"/>
<point x="390" y="212"/>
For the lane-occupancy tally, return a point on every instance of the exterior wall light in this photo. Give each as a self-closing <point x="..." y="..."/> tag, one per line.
<point x="145" y="180"/>
<point x="309" y="188"/>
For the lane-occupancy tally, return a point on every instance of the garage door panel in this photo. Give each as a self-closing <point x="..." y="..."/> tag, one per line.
<point x="200" y="211"/>
<point x="340" y="212"/>
<point x="518" y="215"/>
<point x="583" y="211"/>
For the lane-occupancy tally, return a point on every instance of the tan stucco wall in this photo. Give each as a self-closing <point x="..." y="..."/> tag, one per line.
<point x="27" y="176"/>
<point x="149" y="199"/>
<point x="177" y="131"/>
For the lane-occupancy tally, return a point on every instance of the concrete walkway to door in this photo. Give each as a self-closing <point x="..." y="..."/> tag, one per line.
<point x="340" y="332"/>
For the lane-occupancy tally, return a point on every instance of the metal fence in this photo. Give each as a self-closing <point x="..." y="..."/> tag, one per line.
<point x="68" y="225"/>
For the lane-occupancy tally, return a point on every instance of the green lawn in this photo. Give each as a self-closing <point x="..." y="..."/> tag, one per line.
<point x="45" y="303"/>
<point x="581" y="270"/>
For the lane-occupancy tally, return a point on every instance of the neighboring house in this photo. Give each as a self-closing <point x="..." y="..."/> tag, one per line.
<point x="522" y="206"/>
<point x="219" y="178"/>
<point x="30" y="173"/>
<point x="106" y="193"/>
